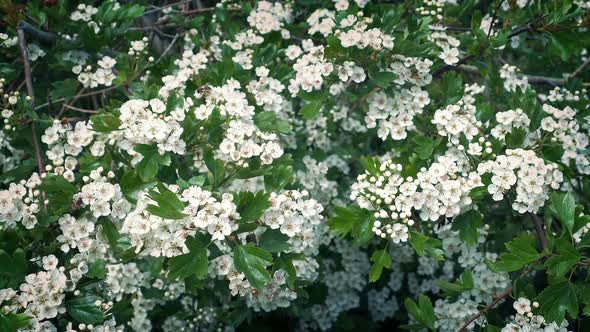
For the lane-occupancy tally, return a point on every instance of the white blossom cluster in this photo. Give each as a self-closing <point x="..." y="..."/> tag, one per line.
<point x="298" y="217"/>
<point x="311" y="67"/>
<point x="243" y="140"/>
<point x="526" y="320"/>
<point x="449" y="45"/>
<point x="65" y="144"/>
<point x="509" y="120"/>
<point x="157" y="236"/>
<point x="85" y="14"/>
<point x="41" y="295"/>
<point x="394" y="115"/>
<point x="442" y="190"/>
<point x="103" y="75"/>
<point x="187" y="67"/>
<point x="565" y="128"/>
<point x="269" y="16"/>
<point x="345" y="281"/>
<point x="459" y="119"/>
<point x="123" y="279"/>
<point x="267" y="91"/>
<point x="487" y="284"/>
<point x="354" y="31"/>
<point x="511" y="78"/>
<point x="315" y="180"/>
<point x="531" y="177"/>
<point x="147" y="122"/>
<point x="104" y="198"/>
<point x="20" y="203"/>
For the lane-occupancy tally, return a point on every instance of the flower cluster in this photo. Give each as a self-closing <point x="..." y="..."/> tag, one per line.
<point x="103" y="197"/>
<point x="103" y="75"/>
<point x="21" y="202"/>
<point x="298" y="217"/>
<point x="42" y="294"/>
<point x="442" y="190"/>
<point x="511" y="78"/>
<point x="526" y="320"/>
<point x="531" y="176"/>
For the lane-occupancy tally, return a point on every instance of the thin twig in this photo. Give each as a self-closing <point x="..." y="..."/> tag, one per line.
<point x="167" y="49"/>
<point x="81" y="110"/>
<point x="465" y="59"/>
<point x="540" y="231"/>
<point x="160" y="8"/>
<point x="553" y="81"/>
<point x="580" y="68"/>
<point x="65" y="105"/>
<point x="31" y="93"/>
<point x="486" y="309"/>
<point x="59" y="100"/>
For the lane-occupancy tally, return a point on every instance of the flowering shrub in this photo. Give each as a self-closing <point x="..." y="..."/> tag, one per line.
<point x="310" y="165"/>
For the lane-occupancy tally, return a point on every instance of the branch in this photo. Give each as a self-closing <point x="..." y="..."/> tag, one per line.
<point x="579" y="69"/>
<point x="486" y="309"/>
<point x="531" y="78"/>
<point x="444" y="69"/>
<point x="49" y="38"/>
<point x="31" y="93"/>
<point x="78" y="109"/>
<point x="167" y="49"/>
<point x="540" y="231"/>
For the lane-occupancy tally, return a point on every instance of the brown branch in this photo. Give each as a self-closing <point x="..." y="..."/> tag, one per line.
<point x="531" y="78"/>
<point x="486" y="309"/>
<point x="580" y="68"/>
<point x="91" y="93"/>
<point x="81" y="110"/>
<point x="31" y="93"/>
<point x="465" y="59"/>
<point x="540" y="231"/>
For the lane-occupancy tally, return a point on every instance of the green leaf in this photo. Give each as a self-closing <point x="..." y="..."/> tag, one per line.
<point x="215" y="167"/>
<point x="105" y="123"/>
<point x="467" y="225"/>
<point x="521" y="251"/>
<point x="343" y="220"/>
<point x="557" y="299"/>
<point x="148" y="167"/>
<point x="169" y="205"/>
<point x="59" y="192"/>
<point x="515" y="138"/>
<point x="251" y="206"/>
<point x="311" y="109"/>
<point x="278" y="178"/>
<point x="426" y="246"/>
<point x="566" y="259"/>
<point x="64" y="88"/>
<point x="384" y="79"/>
<point x="195" y="262"/>
<point x="563" y="207"/>
<point x="423" y="312"/>
<point x="84" y="310"/>
<point x="273" y="240"/>
<point x="97" y="269"/>
<point x="252" y="261"/>
<point x="380" y="259"/>
<point x="424" y="146"/>
<point x="13" y="268"/>
<point x="285" y="262"/>
<point x="268" y="121"/>
<point x="13" y="322"/>
<point x="131" y="184"/>
<point x="464" y="284"/>
<point x="362" y="229"/>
